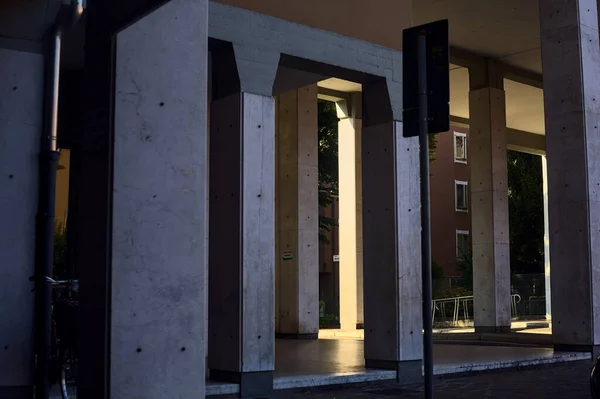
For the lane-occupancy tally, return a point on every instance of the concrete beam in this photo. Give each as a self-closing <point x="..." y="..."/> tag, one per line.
<point x="516" y="140"/>
<point x="306" y="48"/>
<point x="287" y="79"/>
<point x="472" y="60"/>
<point x="522" y="76"/>
<point x="333" y="95"/>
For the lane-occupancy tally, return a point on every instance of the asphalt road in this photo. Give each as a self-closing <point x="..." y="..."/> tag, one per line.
<point x="567" y="380"/>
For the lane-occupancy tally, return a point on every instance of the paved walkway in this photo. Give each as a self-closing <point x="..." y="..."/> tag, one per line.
<point x="568" y="380"/>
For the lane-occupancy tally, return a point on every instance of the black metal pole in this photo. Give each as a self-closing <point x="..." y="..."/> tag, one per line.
<point x="43" y="284"/>
<point x="425" y="217"/>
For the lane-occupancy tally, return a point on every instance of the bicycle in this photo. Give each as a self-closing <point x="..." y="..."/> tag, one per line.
<point x="63" y="355"/>
<point x="64" y="309"/>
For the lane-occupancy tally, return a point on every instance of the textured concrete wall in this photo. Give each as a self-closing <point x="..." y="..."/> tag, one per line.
<point x="489" y="210"/>
<point x="21" y="106"/>
<point x="350" y="212"/>
<point x="160" y="210"/>
<point x="297" y="201"/>
<point x="547" y="280"/>
<point x="571" y="63"/>
<point x="392" y="246"/>
<point x="242" y="234"/>
<point x="353" y="18"/>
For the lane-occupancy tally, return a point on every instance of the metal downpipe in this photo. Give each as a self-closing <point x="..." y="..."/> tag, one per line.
<point x="47" y="191"/>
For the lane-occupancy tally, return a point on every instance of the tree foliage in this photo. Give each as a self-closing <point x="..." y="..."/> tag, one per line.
<point x="432" y="147"/>
<point x="526" y="210"/>
<point x="328" y="163"/>
<point x="60" y="252"/>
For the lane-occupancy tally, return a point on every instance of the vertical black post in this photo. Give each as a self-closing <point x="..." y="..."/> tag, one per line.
<point x="95" y="193"/>
<point x="425" y="215"/>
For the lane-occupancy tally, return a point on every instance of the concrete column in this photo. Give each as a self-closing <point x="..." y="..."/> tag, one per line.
<point x="489" y="202"/>
<point x="21" y="108"/>
<point x="242" y="237"/>
<point x="391" y="239"/>
<point x="242" y="219"/>
<point x="546" y="239"/>
<point x="350" y="212"/>
<point x="159" y="219"/>
<point x="571" y="64"/>
<point x="297" y="201"/>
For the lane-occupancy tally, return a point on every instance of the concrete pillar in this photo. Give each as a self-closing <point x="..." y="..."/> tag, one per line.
<point x="350" y="212"/>
<point x="297" y="215"/>
<point x="546" y="239"/>
<point x="571" y="65"/>
<point x="489" y="201"/>
<point x="242" y="220"/>
<point x="391" y="239"/>
<point x="159" y="217"/>
<point x="21" y="108"/>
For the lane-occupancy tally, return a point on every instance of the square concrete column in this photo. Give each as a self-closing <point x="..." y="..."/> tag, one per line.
<point x="242" y="241"/>
<point x="159" y="218"/>
<point x="21" y="109"/>
<point x="547" y="283"/>
<point x="391" y="240"/>
<point x="350" y="212"/>
<point x="489" y="204"/>
<point x="571" y="66"/>
<point x="297" y="215"/>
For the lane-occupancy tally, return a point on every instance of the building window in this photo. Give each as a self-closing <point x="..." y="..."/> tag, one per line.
<point x="462" y="244"/>
<point x="460" y="147"/>
<point x="462" y="196"/>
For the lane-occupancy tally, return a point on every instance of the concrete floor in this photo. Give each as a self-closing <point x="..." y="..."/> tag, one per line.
<point x="532" y="327"/>
<point x="565" y="380"/>
<point x="301" y="364"/>
<point x="333" y="361"/>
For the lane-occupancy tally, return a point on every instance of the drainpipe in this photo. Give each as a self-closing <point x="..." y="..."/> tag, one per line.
<point x="68" y="15"/>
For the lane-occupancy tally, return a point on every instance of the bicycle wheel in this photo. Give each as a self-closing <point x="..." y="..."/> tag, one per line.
<point x="68" y="371"/>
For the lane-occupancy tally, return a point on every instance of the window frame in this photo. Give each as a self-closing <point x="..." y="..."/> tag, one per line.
<point x="466" y="185"/>
<point x="464" y="233"/>
<point x="464" y="137"/>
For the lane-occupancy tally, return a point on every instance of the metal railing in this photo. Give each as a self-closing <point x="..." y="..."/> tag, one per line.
<point x="440" y="306"/>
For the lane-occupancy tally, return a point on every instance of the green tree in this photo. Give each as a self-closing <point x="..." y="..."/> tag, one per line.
<point x="526" y="210"/>
<point x="60" y="251"/>
<point x="328" y="163"/>
<point x="465" y="266"/>
<point x="432" y="147"/>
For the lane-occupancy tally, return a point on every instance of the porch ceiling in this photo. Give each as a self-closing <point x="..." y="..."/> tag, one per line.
<point x="505" y="30"/>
